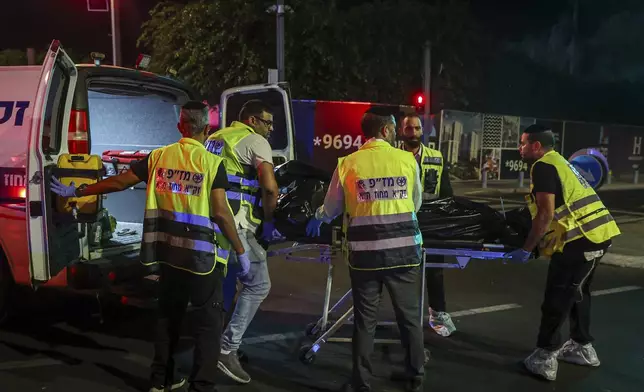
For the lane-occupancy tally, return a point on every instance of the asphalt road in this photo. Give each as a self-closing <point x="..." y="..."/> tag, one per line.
<point x="55" y="344"/>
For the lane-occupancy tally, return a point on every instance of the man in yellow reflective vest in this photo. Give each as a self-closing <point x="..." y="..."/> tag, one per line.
<point x="186" y="188"/>
<point x="570" y="223"/>
<point x="377" y="188"/>
<point x="253" y="192"/>
<point x="434" y="179"/>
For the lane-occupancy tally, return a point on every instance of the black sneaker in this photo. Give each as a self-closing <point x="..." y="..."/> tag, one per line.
<point x="414" y="385"/>
<point x="176" y="385"/>
<point x="348" y="387"/>
<point x="230" y="366"/>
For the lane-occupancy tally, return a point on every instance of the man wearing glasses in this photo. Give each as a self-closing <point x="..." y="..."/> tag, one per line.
<point x="252" y="196"/>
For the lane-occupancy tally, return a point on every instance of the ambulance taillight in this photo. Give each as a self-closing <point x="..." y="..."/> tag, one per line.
<point x="77" y="136"/>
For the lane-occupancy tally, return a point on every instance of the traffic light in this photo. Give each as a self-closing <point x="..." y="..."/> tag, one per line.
<point x="419" y="102"/>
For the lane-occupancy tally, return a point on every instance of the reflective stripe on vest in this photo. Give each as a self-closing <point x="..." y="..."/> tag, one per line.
<point x="380" y="228"/>
<point x="431" y="164"/>
<point x="564" y="211"/>
<point x="243" y="178"/>
<point x="582" y="215"/>
<point x="177" y="229"/>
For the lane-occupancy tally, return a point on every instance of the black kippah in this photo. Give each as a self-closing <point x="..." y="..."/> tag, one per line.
<point x="536" y="128"/>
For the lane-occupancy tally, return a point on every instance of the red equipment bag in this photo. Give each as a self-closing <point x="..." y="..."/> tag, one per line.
<point x="119" y="161"/>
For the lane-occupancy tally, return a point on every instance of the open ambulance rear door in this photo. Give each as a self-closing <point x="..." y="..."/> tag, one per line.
<point x="276" y="96"/>
<point x="47" y="136"/>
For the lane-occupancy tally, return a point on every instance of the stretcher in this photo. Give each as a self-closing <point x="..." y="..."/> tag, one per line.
<point x="322" y="331"/>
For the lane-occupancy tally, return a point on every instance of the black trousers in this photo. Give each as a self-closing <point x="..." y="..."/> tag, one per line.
<point x="205" y="292"/>
<point x="435" y="285"/>
<point x="567" y="295"/>
<point x="403" y="285"/>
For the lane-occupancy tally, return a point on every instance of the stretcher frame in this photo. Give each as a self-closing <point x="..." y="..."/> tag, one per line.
<point x="322" y="331"/>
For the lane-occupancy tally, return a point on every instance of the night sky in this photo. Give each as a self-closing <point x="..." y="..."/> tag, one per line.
<point x="36" y="22"/>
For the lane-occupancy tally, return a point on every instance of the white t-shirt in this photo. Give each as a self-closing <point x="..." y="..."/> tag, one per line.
<point x="253" y="150"/>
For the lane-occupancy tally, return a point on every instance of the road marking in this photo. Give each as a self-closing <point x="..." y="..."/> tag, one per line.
<point x="631" y="213"/>
<point x="273" y="337"/>
<point x="487" y="309"/>
<point x="460" y="313"/>
<point x="615" y="290"/>
<point x="32" y="363"/>
<point x="136" y="358"/>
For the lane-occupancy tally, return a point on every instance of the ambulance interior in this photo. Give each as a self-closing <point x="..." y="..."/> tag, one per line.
<point x="129" y="119"/>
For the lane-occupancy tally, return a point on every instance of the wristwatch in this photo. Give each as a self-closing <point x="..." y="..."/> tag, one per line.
<point x="79" y="191"/>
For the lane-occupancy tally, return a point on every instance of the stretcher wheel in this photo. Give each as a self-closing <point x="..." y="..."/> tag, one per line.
<point x="306" y="356"/>
<point x="242" y="356"/>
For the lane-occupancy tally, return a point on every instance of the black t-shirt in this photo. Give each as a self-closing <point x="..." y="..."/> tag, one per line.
<point x="545" y="179"/>
<point x="140" y="168"/>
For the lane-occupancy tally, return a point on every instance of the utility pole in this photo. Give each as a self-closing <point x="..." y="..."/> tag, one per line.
<point x="280" y="40"/>
<point x="116" y="33"/>
<point x="427" y="88"/>
<point x="573" y="40"/>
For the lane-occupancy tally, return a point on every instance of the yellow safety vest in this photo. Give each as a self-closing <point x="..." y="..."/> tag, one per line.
<point x="380" y="225"/>
<point x="582" y="215"/>
<point x="431" y="170"/>
<point x="177" y="229"/>
<point x="243" y="178"/>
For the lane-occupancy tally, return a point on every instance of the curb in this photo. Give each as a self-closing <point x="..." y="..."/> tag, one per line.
<point x="617" y="260"/>
<point x="525" y="190"/>
<point x="497" y="192"/>
<point x="623" y="260"/>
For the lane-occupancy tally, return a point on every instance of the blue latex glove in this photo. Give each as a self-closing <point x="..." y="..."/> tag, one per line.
<point x="270" y="233"/>
<point x="61" y="189"/>
<point x="518" y="255"/>
<point x="244" y="263"/>
<point x="313" y="227"/>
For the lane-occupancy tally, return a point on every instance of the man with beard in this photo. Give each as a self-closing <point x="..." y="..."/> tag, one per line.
<point x="571" y="223"/>
<point x="377" y="189"/>
<point x="434" y="180"/>
<point x="252" y="196"/>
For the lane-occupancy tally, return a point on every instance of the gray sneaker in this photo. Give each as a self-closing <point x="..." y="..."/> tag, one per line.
<point x="574" y="352"/>
<point x="230" y="366"/>
<point x="543" y="363"/>
<point x="441" y="323"/>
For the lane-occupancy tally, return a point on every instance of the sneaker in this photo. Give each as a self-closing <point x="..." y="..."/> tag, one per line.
<point x="578" y="354"/>
<point x="441" y="323"/>
<point x="230" y="366"/>
<point x="543" y="363"/>
<point x="348" y="387"/>
<point x="414" y="385"/>
<point x="161" y="388"/>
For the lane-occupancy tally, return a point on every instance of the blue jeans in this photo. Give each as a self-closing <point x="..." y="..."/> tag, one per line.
<point x="255" y="288"/>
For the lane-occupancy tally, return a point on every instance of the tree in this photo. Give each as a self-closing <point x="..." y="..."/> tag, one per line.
<point x="12" y="57"/>
<point x="211" y="45"/>
<point x="372" y="51"/>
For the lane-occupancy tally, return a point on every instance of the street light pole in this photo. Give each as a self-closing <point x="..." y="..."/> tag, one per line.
<point x="116" y="33"/>
<point x="427" y="87"/>
<point x="279" y="37"/>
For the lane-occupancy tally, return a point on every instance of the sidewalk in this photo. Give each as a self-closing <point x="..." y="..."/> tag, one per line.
<point x="510" y="187"/>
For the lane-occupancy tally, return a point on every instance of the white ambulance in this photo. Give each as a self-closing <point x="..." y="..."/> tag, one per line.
<point x="61" y="114"/>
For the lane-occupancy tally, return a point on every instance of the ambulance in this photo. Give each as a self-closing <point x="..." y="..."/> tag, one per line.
<point x="81" y="123"/>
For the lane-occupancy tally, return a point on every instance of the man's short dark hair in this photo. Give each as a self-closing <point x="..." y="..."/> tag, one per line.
<point x="374" y="120"/>
<point x="542" y="134"/>
<point x="196" y="116"/>
<point x="253" y="108"/>
<point x="410" y="116"/>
